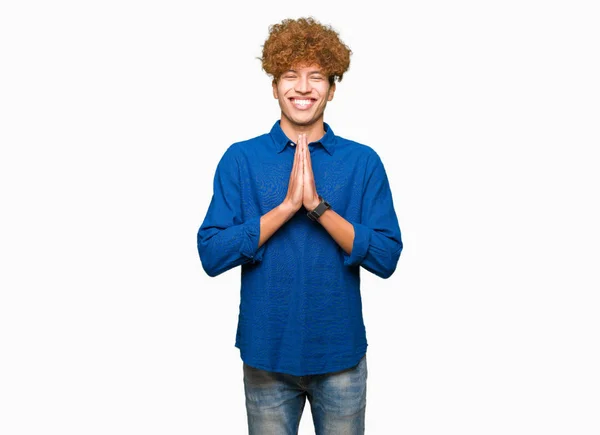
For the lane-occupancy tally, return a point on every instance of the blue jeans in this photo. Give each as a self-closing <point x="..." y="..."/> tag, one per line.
<point x="275" y="401"/>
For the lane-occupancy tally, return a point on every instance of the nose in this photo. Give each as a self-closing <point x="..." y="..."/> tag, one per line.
<point x="302" y="85"/>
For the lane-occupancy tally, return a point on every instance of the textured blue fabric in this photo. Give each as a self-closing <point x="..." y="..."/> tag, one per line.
<point x="300" y="310"/>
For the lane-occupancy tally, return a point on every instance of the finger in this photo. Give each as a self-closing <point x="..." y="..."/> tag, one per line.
<point x="298" y="152"/>
<point x="301" y="169"/>
<point x="294" y="165"/>
<point x="302" y="161"/>
<point x="301" y="158"/>
<point x="296" y="157"/>
<point x="309" y="176"/>
<point x="305" y="152"/>
<point x="309" y="160"/>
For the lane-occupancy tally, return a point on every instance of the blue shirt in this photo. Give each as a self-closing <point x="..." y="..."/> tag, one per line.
<point x="300" y="310"/>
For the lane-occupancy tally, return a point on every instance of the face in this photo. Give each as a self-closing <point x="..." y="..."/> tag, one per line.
<point x="303" y="93"/>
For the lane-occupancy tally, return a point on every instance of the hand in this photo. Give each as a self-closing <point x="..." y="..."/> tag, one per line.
<point x="294" y="196"/>
<point x="310" y="198"/>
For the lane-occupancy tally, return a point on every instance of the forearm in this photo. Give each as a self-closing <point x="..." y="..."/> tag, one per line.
<point x="339" y="229"/>
<point x="270" y="222"/>
<point x="222" y="248"/>
<point x="377" y="251"/>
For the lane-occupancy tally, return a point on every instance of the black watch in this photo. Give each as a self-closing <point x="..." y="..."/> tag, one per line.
<point x="319" y="210"/>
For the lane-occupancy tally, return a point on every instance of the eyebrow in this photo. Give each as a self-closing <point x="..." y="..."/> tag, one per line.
<point x="310" y="73"/>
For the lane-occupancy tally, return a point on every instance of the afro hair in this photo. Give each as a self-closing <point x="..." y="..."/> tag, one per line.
<point x="304" y="42"/>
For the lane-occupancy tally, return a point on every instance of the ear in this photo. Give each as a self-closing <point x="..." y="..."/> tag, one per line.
<point x="331" y="92"/>
<point x="274" y="84"/>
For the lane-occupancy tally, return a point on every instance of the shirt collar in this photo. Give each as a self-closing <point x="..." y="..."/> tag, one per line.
<point x="280" y="140"/>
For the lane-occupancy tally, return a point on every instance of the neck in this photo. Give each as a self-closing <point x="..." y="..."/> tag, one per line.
<point x="314" y="131"/>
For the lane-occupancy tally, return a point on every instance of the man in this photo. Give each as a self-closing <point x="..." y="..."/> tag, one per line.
<point x="301" y="209"/>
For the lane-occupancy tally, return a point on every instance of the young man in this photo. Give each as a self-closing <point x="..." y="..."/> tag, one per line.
<point x="301" y="209"/>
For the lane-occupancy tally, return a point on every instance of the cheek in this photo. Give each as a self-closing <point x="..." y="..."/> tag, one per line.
<point x="287" y="91"/>
<point x="329" y="94"/>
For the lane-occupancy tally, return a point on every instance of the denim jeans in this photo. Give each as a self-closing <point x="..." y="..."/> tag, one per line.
<point x="275" y="401"/>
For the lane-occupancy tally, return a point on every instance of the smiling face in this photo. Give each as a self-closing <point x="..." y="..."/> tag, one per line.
<point x="303" y="93"/>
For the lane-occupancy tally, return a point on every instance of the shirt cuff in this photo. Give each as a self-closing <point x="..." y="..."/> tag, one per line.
<point x="250" y="247"/>
<point x="360" y="246"/>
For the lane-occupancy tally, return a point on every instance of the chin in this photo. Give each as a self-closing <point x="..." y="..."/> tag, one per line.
<point x="303" y="121"/>
<point x="306" y="120"/>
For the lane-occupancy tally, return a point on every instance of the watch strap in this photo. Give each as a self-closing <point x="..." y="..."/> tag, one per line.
<point x="319" y="209"/>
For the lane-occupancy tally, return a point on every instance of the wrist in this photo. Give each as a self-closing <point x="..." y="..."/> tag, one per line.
<point x="316" y="212"/>
<point x="313" y="204"/>
<point x="288" y="209"/>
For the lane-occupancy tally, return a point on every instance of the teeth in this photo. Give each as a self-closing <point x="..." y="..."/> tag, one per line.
<point x="302" y="102"/>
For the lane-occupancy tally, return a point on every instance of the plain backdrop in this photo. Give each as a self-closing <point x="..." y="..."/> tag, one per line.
<point x="113" y="116"/>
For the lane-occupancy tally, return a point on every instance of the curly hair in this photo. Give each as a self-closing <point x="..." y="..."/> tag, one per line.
<point x="304" y="41"/>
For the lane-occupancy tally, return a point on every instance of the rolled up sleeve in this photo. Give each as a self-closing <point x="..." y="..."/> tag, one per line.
<point x="377" y="239"/>
<point x="224" y="239"/>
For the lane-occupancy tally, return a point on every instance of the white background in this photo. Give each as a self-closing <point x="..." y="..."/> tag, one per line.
<point x="113" y="116"/>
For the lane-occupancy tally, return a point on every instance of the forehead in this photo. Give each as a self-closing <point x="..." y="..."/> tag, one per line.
<point x="307" y="68"/>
